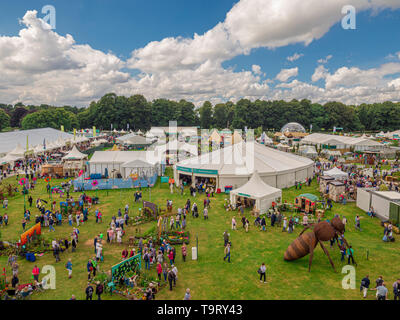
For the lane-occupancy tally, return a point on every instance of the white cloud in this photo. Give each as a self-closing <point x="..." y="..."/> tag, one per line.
<point x="323" y="61"/>
<point x="285" y="74"/>
<point x="295" y="57"/>
<point x="41" y="66"/>
<point x="319" y="73"/>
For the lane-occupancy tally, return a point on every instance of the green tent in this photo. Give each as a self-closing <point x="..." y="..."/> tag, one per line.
<point x="309" y="196"/>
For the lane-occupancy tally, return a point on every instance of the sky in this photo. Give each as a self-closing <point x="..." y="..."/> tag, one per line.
<point x="199" y="50"/>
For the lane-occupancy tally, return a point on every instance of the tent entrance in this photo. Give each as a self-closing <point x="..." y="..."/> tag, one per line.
<point x="245" y="201"/>
<point x="186" y="179"/>
<point x="208" y="181"/>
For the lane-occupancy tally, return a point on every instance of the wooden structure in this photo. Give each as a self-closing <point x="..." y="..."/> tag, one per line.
<point x="53" y="170"/>
<point x="323" y="182"/>
<point x="336" y="189"/>
<point x="306" y="202"/>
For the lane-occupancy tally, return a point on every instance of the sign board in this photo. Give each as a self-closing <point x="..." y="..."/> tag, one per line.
<point x="183" y="169"/>
<point x="205" y="171"/>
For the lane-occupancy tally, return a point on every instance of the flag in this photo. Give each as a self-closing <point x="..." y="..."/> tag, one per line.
<point x="44" y="144"/>
<point x="62" y="128"/>
<point x="74" y="134"/>
<point x="94" y="131"/>
<point x="27" y="143"/>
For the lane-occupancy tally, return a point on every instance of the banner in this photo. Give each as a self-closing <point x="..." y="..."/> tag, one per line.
<point x="94" y="131"/>
<point x="74" y="133"/>
<point x="62" y="128"/>
<point x="36" y="229"/>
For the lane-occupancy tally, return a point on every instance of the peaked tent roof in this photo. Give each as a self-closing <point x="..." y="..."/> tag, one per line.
<point x="75" y="154"/>
<point x="17" y="151"/>
<point x="335" y="172"/>
<point x="257" y="188"/>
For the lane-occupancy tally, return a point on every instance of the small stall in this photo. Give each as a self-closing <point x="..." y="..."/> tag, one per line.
<point x="306" y="202"/>
<point x="256" y="193"/>
<point x="53" y="170"/>
<point x="336" y="173"/>
<point x="323" y="182"/>
<point x="336" y="189"/>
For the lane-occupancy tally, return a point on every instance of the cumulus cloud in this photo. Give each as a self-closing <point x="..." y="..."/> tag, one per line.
<point x="285" y="74"/>
<point x="41" y="66"/>
<point x="319" y="73"/>
<point x="325" y="60"/>
<point x="294" y="57"/>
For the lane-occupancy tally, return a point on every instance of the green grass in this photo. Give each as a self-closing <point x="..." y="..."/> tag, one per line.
<point x="210" y="277"/>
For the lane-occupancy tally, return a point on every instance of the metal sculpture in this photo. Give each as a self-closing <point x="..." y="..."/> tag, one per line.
<point x="305" y="243"/>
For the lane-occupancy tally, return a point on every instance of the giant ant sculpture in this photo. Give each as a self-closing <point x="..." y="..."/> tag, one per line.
<point x="305" y="243"/>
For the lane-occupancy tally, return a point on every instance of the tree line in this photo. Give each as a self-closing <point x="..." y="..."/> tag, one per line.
<point x="135" y="112"/>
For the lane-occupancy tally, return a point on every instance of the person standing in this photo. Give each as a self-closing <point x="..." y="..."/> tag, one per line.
<point x="159" y="270"/>
<point x="262" y="272"/>
<point x="171" y="277"/>
<point x="184" y="252"/>
<point x="89" y="292"/>
<point x="99" y="290"/>
<point x="35" y="273"/>
<point x="365" y="282"/>
<point x="175" y="271"/>
<point x="187" y="295"/>
<point x="350" y="253"/>
<point x="382" y="292"/>
<point x="205" y="213"/>
<point x="233" y="223"/>
<point x="396" y="290"/>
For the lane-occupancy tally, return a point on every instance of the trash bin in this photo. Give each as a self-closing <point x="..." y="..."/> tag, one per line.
<point x="194" y="253"/>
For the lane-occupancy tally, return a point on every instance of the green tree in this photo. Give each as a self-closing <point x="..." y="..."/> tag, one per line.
<point x="206" y="115"/>
<point x="53" y="118"/>
<point x="4" y="120"/>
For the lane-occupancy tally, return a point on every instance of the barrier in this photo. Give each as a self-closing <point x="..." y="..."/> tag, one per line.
<point x="107" y="184"/>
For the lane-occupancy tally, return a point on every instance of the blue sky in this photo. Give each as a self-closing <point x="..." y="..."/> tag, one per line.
<point x="119" y="27"/>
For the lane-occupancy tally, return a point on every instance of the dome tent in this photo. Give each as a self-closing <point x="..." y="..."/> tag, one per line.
<point x="259" y="191"/>
<point x="293" y="127"/>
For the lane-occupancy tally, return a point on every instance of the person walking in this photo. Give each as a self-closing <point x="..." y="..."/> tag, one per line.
<point x="226" y="238"/>
<point x="227" y="252"/>
<point x="233" y="223"/>
<point x="262" y="270"/>
<point x="68" y="266"/>
<point x="365" y="282"/>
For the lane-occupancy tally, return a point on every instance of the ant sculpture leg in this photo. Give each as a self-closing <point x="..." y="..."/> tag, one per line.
<point x="327" y="253"/>
<point x="311" y="256"/>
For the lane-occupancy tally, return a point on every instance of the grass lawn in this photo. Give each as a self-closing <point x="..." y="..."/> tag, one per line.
<point x="210" y="277"/>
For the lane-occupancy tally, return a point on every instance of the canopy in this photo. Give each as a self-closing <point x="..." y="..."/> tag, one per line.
<point x="17" y="152"/>
<point x="258" y="190"/>
<point x="336" y="173"/>
<point x="309" y="196"/>
<point x="136" y="140"/>
<point x="75" y="154"/>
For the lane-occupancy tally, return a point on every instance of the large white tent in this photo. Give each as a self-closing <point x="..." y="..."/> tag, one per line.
<point x="342" y="142"/>
<point x="259" y="191"/>
<point x="308" y="151"/>
<point x="9" y="140"/>
<point x="134" y="139"/>
<point x="124" y="162"/>
<point x="336" y="173"/>
<point x="234" y="165"/>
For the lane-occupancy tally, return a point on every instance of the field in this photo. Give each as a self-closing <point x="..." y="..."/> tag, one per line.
<point x="210" y="277"/>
